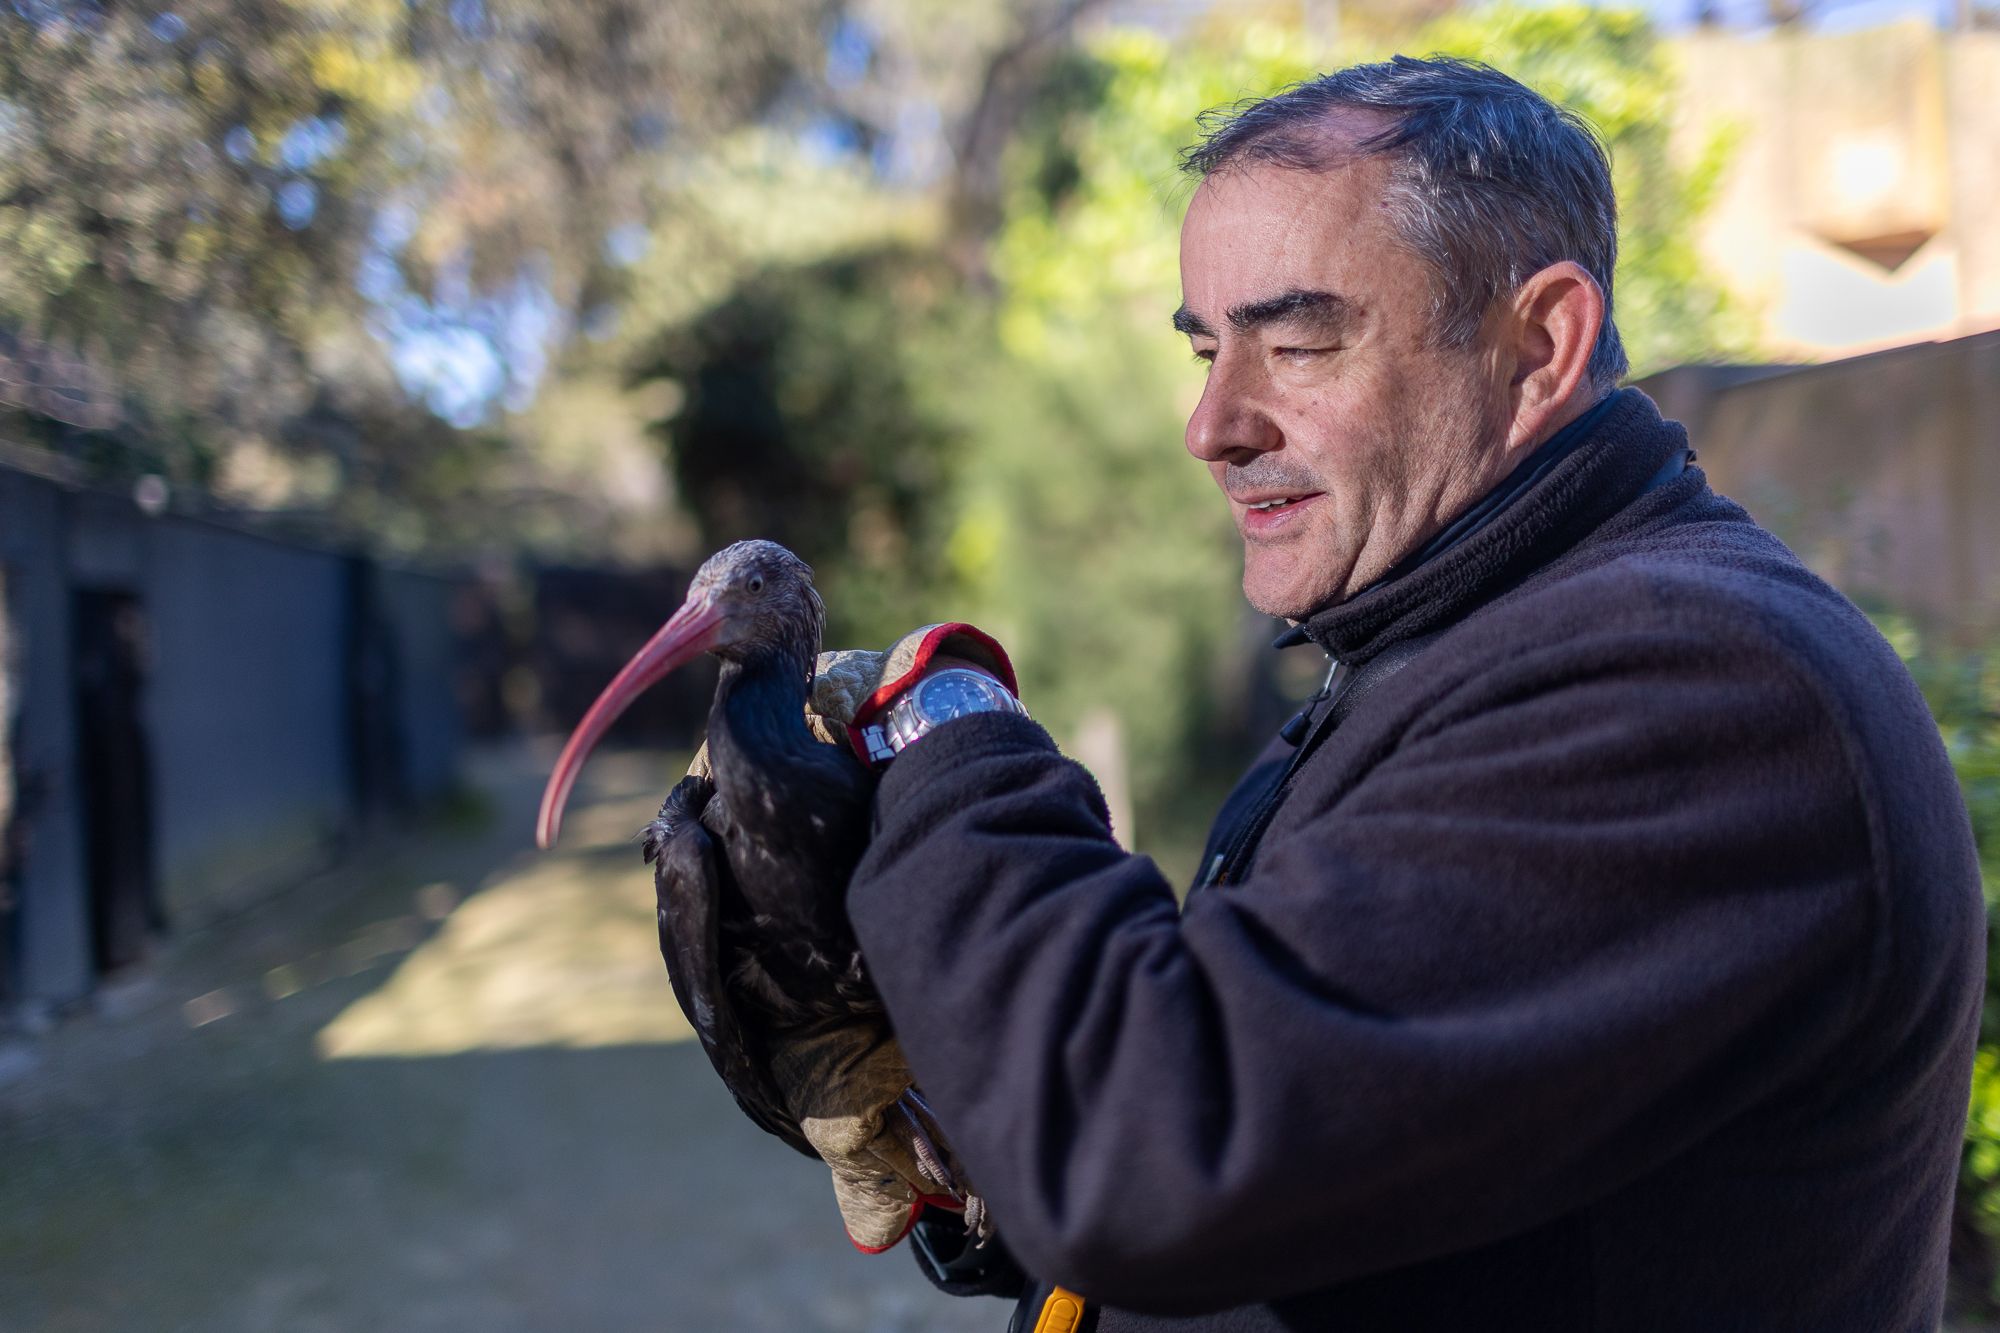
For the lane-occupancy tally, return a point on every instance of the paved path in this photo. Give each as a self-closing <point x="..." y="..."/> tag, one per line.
<point x="443" y="1088"/>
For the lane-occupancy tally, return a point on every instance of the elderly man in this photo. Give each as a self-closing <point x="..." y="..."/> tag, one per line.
<point x="1602" y="950"/>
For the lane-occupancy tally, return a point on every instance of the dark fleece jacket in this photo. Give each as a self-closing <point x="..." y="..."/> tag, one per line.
<point x="1616" y="965"/>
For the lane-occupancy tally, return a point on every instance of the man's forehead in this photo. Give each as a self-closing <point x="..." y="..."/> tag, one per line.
<point x="1256" y="229"/>
<point x="1345" y="187"/>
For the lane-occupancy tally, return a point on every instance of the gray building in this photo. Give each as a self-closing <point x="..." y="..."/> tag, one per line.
<point x="193" y="713"/>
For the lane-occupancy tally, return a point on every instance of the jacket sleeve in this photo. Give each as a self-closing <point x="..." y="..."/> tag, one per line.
<point x="1586" y="906"/>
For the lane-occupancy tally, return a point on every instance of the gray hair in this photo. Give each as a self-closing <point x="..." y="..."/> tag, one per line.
<point x="1490" y="182"/>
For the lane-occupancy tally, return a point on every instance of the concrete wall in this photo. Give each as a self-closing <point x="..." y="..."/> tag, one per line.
<point x="1861" y="203"/>
<point x="1882" y="471"/>
<point x="262" y="658"/>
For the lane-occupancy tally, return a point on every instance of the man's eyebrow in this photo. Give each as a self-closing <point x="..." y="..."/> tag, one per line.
<point x="1193" y="325"/>
<point x="1322" y="309"/>
<point x="1325" y="310"/>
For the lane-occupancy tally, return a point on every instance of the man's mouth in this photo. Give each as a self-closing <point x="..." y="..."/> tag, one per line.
<point x="1267" y="513"/>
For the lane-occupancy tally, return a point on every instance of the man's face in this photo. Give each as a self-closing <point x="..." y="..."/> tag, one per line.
<point x="1326" y="392"/>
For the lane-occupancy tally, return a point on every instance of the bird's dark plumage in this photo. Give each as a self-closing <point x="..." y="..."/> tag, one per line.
<point x="690" y="884"/>
<point x="750" y="866"/>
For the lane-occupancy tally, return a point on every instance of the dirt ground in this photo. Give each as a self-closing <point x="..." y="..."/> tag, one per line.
<point x="442" y="1088"/>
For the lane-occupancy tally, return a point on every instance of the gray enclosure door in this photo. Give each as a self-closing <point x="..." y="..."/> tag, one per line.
<point x="116" y="774"/>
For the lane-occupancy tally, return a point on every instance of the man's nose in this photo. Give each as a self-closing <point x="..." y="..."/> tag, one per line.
<point x="1228" y="424"/>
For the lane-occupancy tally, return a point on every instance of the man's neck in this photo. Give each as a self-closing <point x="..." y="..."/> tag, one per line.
<point x="1580" y="402"/>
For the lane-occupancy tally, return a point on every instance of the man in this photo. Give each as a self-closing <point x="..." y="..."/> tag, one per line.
<point x="1604" y="952"/>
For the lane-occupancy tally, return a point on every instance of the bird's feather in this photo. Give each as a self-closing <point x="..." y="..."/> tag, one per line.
<point x="691" y="889"/>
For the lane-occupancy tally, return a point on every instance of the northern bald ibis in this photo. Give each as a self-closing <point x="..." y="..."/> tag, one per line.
<point x="751" y="865"/>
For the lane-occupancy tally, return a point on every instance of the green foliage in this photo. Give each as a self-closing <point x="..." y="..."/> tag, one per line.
<point x="1963" y="691"/>
<point x="1014" y="457"/>
<point x="1098" y="551"/>
<point x="1082" y="531"/>
<point x="140" y="188"/>
<point x="222" y="221"/>
<point x="802" y="419"/>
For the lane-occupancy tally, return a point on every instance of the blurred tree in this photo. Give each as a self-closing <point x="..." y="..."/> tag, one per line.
<point x="1012" y="87"/>
<point x="205" y="212"/>
<point x="1962" y="688"/>
<point x="176" y="202"/>
<point x="1016" y="457"/>
<point x="1080" y="528"/>
<point x="805" y="419"/>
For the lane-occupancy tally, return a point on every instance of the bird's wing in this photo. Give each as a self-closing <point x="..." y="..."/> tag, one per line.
<point x="688" y="881"/>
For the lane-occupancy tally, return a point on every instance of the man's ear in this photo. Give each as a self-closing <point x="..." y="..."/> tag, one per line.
<point x="1557" y="314"/>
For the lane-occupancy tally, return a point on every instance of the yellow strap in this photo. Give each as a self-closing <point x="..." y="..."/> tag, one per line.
<point x="1061" y="1312"/>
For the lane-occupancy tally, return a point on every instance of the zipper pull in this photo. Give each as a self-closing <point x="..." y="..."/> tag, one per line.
<point x="1293" y="733"/>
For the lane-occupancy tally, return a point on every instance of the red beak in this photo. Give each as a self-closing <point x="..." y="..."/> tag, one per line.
<point x="691" y="632"/>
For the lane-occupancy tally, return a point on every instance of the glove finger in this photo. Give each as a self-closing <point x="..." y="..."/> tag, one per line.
<point x="850" y="1089"/>
<point x="826" y="730"/>
<point x="876" y="1207"/>
<point x="842" y="682"/>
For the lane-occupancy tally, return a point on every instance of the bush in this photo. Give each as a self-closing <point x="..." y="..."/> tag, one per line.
<point x="1962" y="688"/>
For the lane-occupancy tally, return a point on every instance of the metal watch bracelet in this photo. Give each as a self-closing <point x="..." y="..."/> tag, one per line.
<point x="936" y="699"/>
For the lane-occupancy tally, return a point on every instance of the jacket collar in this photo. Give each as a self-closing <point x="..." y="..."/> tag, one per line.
<point x="1569" y="486"/>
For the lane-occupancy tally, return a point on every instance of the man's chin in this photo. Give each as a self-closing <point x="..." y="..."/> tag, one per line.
<point x="1288" y="594"/>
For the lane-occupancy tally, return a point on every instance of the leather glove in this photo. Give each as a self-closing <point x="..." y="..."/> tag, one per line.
<point x="846" y="1085"/>
<point x="856" y="1104"/>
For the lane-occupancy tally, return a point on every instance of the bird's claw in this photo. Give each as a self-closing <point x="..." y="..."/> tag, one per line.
<point x="925" y="1151"/>
<point x="916" y="1112"/>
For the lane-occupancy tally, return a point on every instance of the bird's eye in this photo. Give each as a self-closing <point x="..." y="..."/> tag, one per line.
<point x="756" y="583"/>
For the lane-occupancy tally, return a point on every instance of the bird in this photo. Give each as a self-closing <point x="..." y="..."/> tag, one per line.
<point x="751" y="857"/>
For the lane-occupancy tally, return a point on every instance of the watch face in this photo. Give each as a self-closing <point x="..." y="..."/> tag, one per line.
<point x="953" y="694"/>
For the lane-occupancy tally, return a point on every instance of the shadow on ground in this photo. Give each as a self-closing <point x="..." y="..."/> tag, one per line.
<point x="444" y="1088"/>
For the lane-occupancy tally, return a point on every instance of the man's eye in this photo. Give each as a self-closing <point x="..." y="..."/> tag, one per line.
<point x="1300" y="353"/>
<point x="1205" y="355"/>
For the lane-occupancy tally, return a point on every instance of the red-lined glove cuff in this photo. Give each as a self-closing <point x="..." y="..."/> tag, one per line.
<point x="953" y="639"/>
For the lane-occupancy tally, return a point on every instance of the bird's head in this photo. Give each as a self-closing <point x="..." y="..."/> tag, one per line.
<point x="752" y="599"/>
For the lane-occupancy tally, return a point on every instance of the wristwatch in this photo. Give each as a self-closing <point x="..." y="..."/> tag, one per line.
<point x="932" y="702"/>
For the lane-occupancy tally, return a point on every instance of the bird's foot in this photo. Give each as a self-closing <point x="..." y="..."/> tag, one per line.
<point x="932" y="1160"/>
<point x="922" y="1146"/>
<point x="977" y="1222"/>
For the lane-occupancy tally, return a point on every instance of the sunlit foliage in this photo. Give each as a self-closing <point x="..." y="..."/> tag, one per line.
<point x="271" y="248"/>
<point x="1114" y="237"/>
<point x="1080" y="519"/>
<point x="1013" y="454"/>
<point x="1963" y="690"/>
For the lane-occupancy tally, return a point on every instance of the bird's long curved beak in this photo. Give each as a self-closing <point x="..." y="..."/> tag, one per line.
<point x="692" y="631"/>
